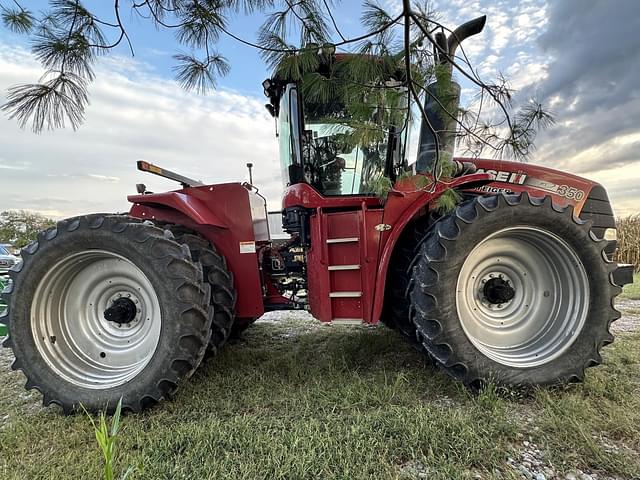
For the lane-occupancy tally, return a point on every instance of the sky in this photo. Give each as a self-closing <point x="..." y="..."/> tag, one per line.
<point x="580" y="57"/>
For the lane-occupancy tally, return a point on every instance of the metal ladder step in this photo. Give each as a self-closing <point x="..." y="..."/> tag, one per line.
<point x="334" y="268"/>
<point x="343" y="240"/>
<point x="345" y="294"/>
<point x="347" y="321"/>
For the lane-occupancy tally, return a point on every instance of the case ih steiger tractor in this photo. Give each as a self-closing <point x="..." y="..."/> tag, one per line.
<point x="514" y="286"/>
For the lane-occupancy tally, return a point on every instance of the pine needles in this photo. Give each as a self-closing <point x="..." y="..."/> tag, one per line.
<point x="448" y="201"/>
<point x="377" y="82"/>
<point x="48" y="105"/>
<point x="17" y="19"/>
<point x="197" y="75"/>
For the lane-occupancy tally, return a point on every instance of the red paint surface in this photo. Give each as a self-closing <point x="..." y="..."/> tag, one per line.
<point x="548" y="175"/>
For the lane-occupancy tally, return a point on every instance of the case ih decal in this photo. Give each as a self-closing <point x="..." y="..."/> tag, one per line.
<point x="566" y="188"/>
<point x="506" y="176"/>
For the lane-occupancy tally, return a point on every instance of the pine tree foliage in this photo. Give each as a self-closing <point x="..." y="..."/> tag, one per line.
<point x="378" y="83"/>
<point x="17" y="19"/>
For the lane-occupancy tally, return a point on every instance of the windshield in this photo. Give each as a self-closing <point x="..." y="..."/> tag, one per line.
<point x="339" y="151"/>
<point x="346" y="157"/>
<point x="3" y="251"/>
<point x="334" y="165"/>
<point x="289" y="134"/>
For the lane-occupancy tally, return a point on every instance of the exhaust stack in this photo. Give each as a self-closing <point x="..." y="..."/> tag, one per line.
<point x="442" y="123"/>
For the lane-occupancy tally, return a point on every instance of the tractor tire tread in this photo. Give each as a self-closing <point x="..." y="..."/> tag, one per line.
<point x="223" y="294"/>
<point x="395" y="312"/>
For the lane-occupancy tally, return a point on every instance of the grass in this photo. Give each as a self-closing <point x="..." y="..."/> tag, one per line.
<point x="301" y="400"/>
<point x="632" y="291"/>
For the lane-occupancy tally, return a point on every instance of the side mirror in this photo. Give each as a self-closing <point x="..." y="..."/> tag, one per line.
<point x="271" y="109"/>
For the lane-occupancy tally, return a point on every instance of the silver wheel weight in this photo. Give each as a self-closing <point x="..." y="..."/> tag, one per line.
<point x="70" y="326"/>
<point x="522" y="296"/>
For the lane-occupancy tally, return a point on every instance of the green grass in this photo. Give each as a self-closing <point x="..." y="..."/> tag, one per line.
<point x="632" y="291"/>
<point x="301" y="400"/>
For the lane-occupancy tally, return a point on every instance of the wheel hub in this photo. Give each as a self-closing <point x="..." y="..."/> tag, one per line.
<point x="96" y="319"/>
<point x="121" y="311"/>
<point x="498" y="291"/>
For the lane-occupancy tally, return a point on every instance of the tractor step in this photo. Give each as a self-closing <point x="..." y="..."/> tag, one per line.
<point x="344" y="255"/>
<point x="345" y="294"/>
<point x="343" y="240"/>
<point x="347" y="321"/>
<point x="334" y="268"/>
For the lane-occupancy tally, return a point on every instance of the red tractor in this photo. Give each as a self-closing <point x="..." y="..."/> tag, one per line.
<point x="514" y="286"/>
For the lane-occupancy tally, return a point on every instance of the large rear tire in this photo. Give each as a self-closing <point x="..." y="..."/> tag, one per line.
<point x="513" y="290"/>
<point x="105" y="307"/>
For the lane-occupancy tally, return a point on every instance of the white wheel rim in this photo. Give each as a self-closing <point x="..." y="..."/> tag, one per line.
<point x="550" y="297"/>
<point x="70" y="329"/>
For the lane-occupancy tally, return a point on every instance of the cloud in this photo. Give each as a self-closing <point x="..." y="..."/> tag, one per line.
<point x="6" y="166"/>
<point x="133" y="115"/>
<point x="103" y="178"/>
<point x="592" y="83"/>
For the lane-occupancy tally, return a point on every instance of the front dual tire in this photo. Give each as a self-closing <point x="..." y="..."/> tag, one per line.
<point x="105" y="307"/>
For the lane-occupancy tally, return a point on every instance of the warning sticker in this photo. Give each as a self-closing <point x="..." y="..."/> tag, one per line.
<point x="247" y="247"/>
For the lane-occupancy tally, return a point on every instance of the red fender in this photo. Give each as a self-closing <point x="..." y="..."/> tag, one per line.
<point x="403" y="217"/>
<point x="194" y="208"/>
<point x="222" y="214"/>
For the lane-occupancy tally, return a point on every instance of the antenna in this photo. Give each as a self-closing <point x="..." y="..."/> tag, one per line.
<point x="250" y="167"/>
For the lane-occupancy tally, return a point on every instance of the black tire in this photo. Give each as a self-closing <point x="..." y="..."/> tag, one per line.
<point x="437" y="266"/>
<point x="181" y="293"/>
<point x="395" y="311"/>
<point x="220" y="279"/>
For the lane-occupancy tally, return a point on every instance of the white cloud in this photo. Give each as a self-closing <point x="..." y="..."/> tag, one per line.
<point x="104" y="178"/>
<point x="133" y="115"/>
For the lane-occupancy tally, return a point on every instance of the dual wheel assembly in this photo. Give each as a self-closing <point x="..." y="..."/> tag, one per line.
<point x="511" y="290"/>
<point x="105" y="307"/>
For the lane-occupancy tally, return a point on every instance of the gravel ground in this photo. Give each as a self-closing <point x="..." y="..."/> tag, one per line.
<point x="630" y="320"/>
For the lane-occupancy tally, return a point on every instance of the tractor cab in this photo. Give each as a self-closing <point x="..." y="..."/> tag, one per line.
<point x="320" y="145"/>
